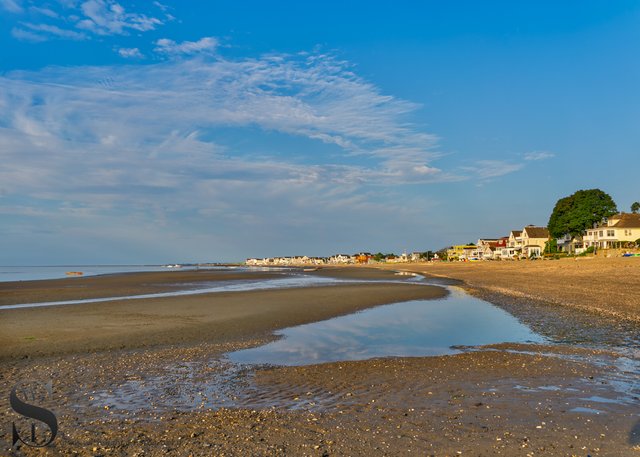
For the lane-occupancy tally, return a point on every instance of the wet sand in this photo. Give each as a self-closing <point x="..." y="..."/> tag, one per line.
<point x="501" y="400"/>
<point x="118" y="285"/>
<point x="218" y="317"/>
<point x="484" y="403"/>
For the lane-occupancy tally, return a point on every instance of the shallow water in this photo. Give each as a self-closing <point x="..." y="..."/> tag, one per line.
<point x="414" y="328"/>
<point x="32" y="273"/>
<point x="287" y="281"/>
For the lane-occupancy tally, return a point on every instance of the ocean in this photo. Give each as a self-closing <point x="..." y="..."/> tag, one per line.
<point x="30" y="273"/>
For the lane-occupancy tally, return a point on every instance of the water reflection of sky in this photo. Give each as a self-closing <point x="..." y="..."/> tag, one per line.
<point x="414" y="328"/>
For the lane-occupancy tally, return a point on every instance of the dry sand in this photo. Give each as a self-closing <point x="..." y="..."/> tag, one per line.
<point x="609" y="286"/>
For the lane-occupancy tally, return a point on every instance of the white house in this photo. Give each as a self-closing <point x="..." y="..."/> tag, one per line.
<point x="618" y="231"/>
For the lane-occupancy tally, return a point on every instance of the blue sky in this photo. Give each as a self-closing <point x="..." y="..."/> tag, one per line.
<point x="200" y="131"/>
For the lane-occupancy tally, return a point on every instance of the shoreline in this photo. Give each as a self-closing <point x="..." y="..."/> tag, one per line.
<point x="495" y="400"/>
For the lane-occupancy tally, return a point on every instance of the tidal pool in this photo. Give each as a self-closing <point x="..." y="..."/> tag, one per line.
<point x="414" y="328"/>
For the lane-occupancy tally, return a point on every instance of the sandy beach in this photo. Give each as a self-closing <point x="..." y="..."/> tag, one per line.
<point x="509" y="399"/>
<point x="608" y="286"/>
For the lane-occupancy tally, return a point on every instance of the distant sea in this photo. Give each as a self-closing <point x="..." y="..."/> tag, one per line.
<point x="55" y="272"/>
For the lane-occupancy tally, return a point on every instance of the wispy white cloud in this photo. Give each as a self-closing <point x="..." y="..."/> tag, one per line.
<point x="107" y="17"/>
<point x="13" y="6"/>
<point x="162" y="6"/>
<point x="71" y="19"/>
<point x="487" y="169"/>
<point x="54" y="30"/>
<point x="170" y="112"/>
<point x="538" y="155"/>
<point x="44" y="12"/>
<point x="152" y="144"/>
<point x="203" y="45"/>
<point x="26" y="35"/>
<point x="130" y="53"/>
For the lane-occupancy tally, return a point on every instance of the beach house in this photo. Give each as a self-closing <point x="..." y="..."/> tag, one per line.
<point x="463" y="252"/>
<point x="341" y="258"/>
<point x="619" y="231"/>
<point x="534" y="240"/>
<point x="570" y="244"/>
<point x="513" y="245"/>
<point x="487" y="249"/>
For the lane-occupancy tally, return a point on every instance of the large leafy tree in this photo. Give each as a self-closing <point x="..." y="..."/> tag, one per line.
<point x="635" y="207"/>
<point x="580" y="211"/>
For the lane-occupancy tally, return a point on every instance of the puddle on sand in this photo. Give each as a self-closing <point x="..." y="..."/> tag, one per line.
<point x="414" y="328"/>
<point x="581" y="409"/>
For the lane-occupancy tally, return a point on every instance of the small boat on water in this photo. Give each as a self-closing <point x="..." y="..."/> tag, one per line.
<point x="74" y="273"/>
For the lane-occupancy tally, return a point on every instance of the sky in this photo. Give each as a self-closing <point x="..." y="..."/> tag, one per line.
<point x="196" y="131"/>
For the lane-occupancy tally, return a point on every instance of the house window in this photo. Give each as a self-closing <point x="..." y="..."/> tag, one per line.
<point x="600" y="233"/>
<point x="611" y="233"/>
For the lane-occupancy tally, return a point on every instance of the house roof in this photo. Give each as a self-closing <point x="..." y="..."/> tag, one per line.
<point x="626" y="220"/>
<point x="516" y="232"/>
<point x="537" y="232"/>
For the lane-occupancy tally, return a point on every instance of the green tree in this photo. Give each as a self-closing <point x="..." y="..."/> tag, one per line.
<point x="379" y="257"/>
<point x="635" y="207"/>
<point x="551" y="246"/>
<point x="442" y="254"/>
<point x="579" y="211"/>
<point x="427" y="255"/>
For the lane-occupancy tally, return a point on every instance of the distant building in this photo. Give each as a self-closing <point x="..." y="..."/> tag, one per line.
<point x="363" y="257"/>
<point x="570" y="244"/>
<point x="463" y="252"/>
<point x="340" y="258"/>
<point x="415" y="257"/>
<point x="487" y="248"/>
<point x="514" y="245"/>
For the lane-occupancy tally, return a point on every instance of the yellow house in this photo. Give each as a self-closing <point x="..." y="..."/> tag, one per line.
<point x="462" y="252"/>
<point x="617" y="232"/>
<point x="534" y="240"/>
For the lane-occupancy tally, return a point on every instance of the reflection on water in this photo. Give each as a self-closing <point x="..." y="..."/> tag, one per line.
<point x="414" y="328"/>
